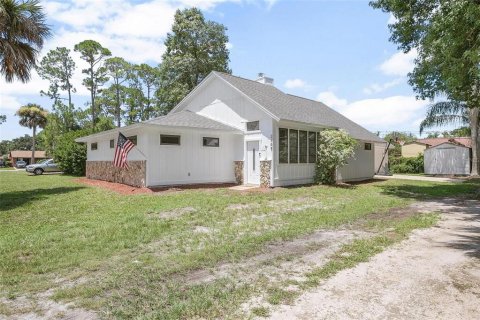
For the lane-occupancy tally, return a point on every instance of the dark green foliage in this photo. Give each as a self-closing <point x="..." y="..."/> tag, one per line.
<point x="70" y="155"/>
<point x="407" y="165"/>
<point x="335" y="147"/>
<point x="194" y="48"/>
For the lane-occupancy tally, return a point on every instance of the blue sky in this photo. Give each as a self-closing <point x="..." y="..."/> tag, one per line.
<point x="333" y="51"/>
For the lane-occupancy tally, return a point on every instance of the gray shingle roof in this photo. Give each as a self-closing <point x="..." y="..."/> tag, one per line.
<point x="189" y="119"/>
<point x="288" y="107"/>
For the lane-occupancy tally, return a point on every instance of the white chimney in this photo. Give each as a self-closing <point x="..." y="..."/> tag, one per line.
<point x="264" y="79"/>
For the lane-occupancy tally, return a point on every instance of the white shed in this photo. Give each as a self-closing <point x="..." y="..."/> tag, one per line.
<point x="447" y="158"/>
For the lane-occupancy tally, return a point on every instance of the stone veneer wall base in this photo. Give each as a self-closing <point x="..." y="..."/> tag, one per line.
<point x="238" y="171"/>
<point x="134" y="175"/>
<point x="265" y="169"/>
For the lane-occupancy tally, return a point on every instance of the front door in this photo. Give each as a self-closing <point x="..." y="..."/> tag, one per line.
<point x="253" y="162"/>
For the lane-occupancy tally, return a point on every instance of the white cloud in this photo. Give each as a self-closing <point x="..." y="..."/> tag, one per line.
<point x="295" y="84"/>
<point x="381" y="113"/>
<point x="331" y="100"/>
<point x="399" y="64"/>
<point x="270" y="3"/>
<point x="376" y="88"/>
<point x="8" y="102"/>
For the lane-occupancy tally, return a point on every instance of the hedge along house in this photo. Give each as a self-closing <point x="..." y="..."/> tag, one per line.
<point x="230" y="129"/>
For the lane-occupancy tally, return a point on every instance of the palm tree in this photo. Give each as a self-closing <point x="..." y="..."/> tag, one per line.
<point x="32" y="116"/>
<point x="455" y="112"/>
<point x="22" y="33"/>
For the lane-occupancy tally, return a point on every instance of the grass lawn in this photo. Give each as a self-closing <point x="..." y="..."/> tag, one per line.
<point x="130" y="256"/>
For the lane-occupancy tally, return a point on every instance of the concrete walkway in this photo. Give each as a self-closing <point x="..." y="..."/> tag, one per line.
<point x="417" y="178"/>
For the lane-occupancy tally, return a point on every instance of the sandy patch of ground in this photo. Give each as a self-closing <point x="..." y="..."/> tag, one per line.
<point x="435" y="274"/>
<point x="175" y="213"/>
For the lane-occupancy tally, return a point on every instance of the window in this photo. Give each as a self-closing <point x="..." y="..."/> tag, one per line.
<point x="133" y="139"/>
<point x="112" y="144"/>
<point x="283" y="145"/>
<point x="168" y="139"/>
<point x="303" y="143"/>
<point x="211" y="142"/>
<point x="368" y="146"/>
<point x="93" y="146"/>
<point x="312" y="147"/>
<point x="293" y="145"/>
<point x="253" y="125"/>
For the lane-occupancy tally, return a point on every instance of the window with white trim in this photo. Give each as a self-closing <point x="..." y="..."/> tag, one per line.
<point x="169" y="139"/>
<point x="211" y="142"/>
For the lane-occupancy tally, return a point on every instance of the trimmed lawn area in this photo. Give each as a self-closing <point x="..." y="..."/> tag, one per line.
<point x="131" y="256"/>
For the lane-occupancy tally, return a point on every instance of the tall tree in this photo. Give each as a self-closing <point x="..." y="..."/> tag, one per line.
<point x="94" y="54"/>
<point x="58" y="67"/>
<point x="32" y="116"/>
<point x="22" y="32"/>
<point x="3" y="118"/>
<point x="445" y="113"/>
<point x="142" y="85"/>
<point x="118" y="70"/>
<point x="194" y="48"/>
<point x="446" y="36"/>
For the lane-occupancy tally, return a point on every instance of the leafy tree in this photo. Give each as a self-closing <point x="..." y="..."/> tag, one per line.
<point x="459" y="132"/>
<point x="94" y="54"/>
<point x="140" y="98"/>
<point x="32" y="116"/>
<point x="58" y="68"/>
<point x="433" y="135"/>
<point x="3" y="118"/>
<point x="193" y="49"/>
<point x="70" y="156"/>
<point x="20" y="143"/>
<point x="118" y="70"/>
<point x="445" y="34"/>
<point x="335" y="147"/>
<point x="23" y="30"/>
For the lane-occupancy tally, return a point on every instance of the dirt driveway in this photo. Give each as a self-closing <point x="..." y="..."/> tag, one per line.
<point x="434" y="274"/>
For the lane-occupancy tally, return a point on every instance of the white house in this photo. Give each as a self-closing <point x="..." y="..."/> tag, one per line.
<point x="230" y="129"/>
<point x="449" y="158"/>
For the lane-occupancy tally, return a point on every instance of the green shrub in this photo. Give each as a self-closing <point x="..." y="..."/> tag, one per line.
<point x="335" y="147"/>
<point x="407" y="165"/>
<point x="71" y="156"/>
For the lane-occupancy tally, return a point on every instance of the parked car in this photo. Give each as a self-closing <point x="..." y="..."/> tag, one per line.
<point x="20" y="164"/>
<point x="45" y="166"/>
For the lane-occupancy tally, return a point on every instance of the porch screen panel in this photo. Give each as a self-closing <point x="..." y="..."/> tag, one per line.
<point x="312" y="147"/>
<point x="293" y="141"/>
<point x="283" y="145"/>
<point x="303" y="143"/>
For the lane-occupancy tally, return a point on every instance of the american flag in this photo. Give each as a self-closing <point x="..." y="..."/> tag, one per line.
<point x="121" y="151"/>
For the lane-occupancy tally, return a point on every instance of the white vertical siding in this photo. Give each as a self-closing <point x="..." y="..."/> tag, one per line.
<point x="447" y="158"/>
<point x="191" y="162"/>
<point x="105" y="153"/>
<point x="361" y="166"/>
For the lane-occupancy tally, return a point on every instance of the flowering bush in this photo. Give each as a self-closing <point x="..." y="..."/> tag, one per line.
<point x="335" y="147"/>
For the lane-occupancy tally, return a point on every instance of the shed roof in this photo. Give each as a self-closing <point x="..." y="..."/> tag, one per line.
<point x="293" y="108"/>
<point x="464" y="141"/>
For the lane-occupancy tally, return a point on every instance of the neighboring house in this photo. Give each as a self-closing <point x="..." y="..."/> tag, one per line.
<point x="25" y="155"/>
<point x="453" y="157"/>
<point x="414" y="148"/>
<point x="230" y="129"/>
